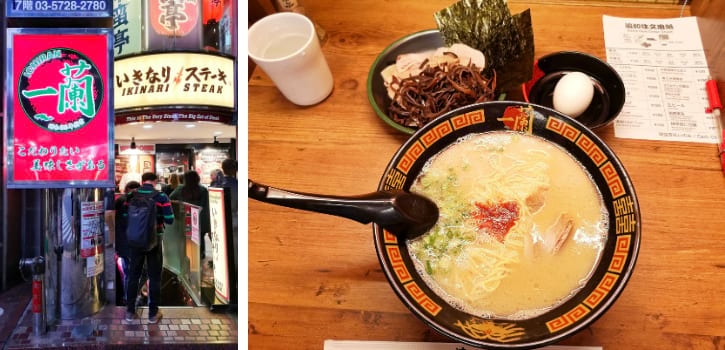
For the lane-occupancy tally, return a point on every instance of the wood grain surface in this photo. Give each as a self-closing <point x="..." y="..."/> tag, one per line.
<point x="314" y="277"/>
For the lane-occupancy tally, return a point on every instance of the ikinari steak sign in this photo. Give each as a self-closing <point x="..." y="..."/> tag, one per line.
<point x="65" y="79"/>
<point x="59" y="125"/>
<point x="173" y="79"/>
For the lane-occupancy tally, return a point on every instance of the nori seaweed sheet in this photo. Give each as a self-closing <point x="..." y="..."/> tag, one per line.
<point x="506" y="41"/>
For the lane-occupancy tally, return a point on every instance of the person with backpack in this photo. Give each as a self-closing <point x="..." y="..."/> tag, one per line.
<point x="117" y="225"/>
<point x="147" y="211"/>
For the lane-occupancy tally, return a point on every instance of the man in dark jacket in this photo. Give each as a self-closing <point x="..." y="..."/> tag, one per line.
<point x="153" y="257"/>
<point x="117" y="224"/>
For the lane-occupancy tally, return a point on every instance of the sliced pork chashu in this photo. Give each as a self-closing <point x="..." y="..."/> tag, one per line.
<point x="556" y="235"/>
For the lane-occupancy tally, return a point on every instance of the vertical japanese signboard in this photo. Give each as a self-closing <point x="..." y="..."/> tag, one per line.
<point x="58" y="8"/>
<point x="220" y="223"/>
<point x="59" y="113"/>
<point x="127" y="24"/>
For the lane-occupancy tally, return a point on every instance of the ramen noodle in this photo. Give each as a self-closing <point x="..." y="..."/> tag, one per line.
<point x="521" y="225"/>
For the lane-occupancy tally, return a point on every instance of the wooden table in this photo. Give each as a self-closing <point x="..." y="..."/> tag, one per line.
<point x="314" y="277"/>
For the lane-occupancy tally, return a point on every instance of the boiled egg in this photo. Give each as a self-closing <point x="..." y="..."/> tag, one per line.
<point x="573" y="94"/>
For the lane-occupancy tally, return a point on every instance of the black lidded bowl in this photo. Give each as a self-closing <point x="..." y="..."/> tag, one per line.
<point x="611" y="272"/>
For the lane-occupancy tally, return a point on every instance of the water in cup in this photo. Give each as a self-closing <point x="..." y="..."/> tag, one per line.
<point x="284" y="46"/>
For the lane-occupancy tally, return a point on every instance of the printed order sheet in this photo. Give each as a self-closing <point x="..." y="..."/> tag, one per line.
<point x="663" y="66"/>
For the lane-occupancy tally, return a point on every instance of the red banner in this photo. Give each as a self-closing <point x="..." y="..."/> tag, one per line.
<point x="212" y="10"/>
<point x="37" y="297"/>
<point x="60" y="112"/>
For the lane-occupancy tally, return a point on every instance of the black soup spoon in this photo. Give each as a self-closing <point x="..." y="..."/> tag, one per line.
<point x="405" y="214"/>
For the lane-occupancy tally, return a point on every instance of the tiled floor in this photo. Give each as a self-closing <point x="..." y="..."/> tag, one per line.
<point x="188" y="327"/>
<point x="13" y="302"/>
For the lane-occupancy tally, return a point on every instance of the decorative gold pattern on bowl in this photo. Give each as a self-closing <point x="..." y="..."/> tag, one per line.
<point x="489" y="330"/>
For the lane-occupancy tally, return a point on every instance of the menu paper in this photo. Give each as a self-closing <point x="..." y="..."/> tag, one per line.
<point x="663" y="66"/>
<point x="92" y="236"/>
<point x="389" y="345"/>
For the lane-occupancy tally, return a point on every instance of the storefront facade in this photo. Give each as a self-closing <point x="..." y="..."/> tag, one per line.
<point x="144" y="86"/>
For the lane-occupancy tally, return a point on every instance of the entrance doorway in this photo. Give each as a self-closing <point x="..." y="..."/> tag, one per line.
<point x="171" y="150"/>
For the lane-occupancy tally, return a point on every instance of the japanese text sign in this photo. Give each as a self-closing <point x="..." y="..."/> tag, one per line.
<point x="127" y="24"/>
<point x="218" y="206"/>
<point x="58" y="8"/>
<point x="175" y="78"/>
<point x="60" y="122"/>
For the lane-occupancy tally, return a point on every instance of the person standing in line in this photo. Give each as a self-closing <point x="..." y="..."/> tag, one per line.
<point x="193" y="193"/>
<point x="217" y="178"/>
<point x="229" y="166"/>
<point x="117" y="223"/>
<point x="172" y="185"/>
<point x="148" y="210"/>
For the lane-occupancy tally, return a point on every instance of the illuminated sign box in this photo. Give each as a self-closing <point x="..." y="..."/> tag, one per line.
<point x="174" y="116"/>
<point x="173" y="79"/>
<point x="58" y="8"/>
<point x="59" y="116"/>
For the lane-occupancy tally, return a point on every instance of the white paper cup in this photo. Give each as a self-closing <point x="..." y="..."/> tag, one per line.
<point x="286" y="47"/>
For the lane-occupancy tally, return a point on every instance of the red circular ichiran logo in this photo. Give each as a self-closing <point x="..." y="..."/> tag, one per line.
<point x="60" y="90"/>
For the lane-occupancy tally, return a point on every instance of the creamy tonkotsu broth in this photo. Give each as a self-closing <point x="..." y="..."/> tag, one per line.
<point x="521" y="225"/>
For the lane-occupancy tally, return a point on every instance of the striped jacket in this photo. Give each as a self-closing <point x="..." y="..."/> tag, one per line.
<point x="164" y="214"/>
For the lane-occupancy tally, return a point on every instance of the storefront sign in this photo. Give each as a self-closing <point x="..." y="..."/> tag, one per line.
<point x="173" y="79"/>
<point x="161" y="116"/>
<point x="58" y="8"/>
<point x="140" y="149"/>
<point x="173" y="24"/>
<point x="59" y="122"/>
<point x="127" y="26"/>
<point x="219" y="242"/>
<point x="92" y="237"/>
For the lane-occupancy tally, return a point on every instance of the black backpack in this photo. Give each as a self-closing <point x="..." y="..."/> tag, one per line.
<point x="141" y="229"/>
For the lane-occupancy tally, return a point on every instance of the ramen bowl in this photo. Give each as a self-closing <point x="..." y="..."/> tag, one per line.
<point x="426" y="40"/>
<point x="611" y="270"/>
